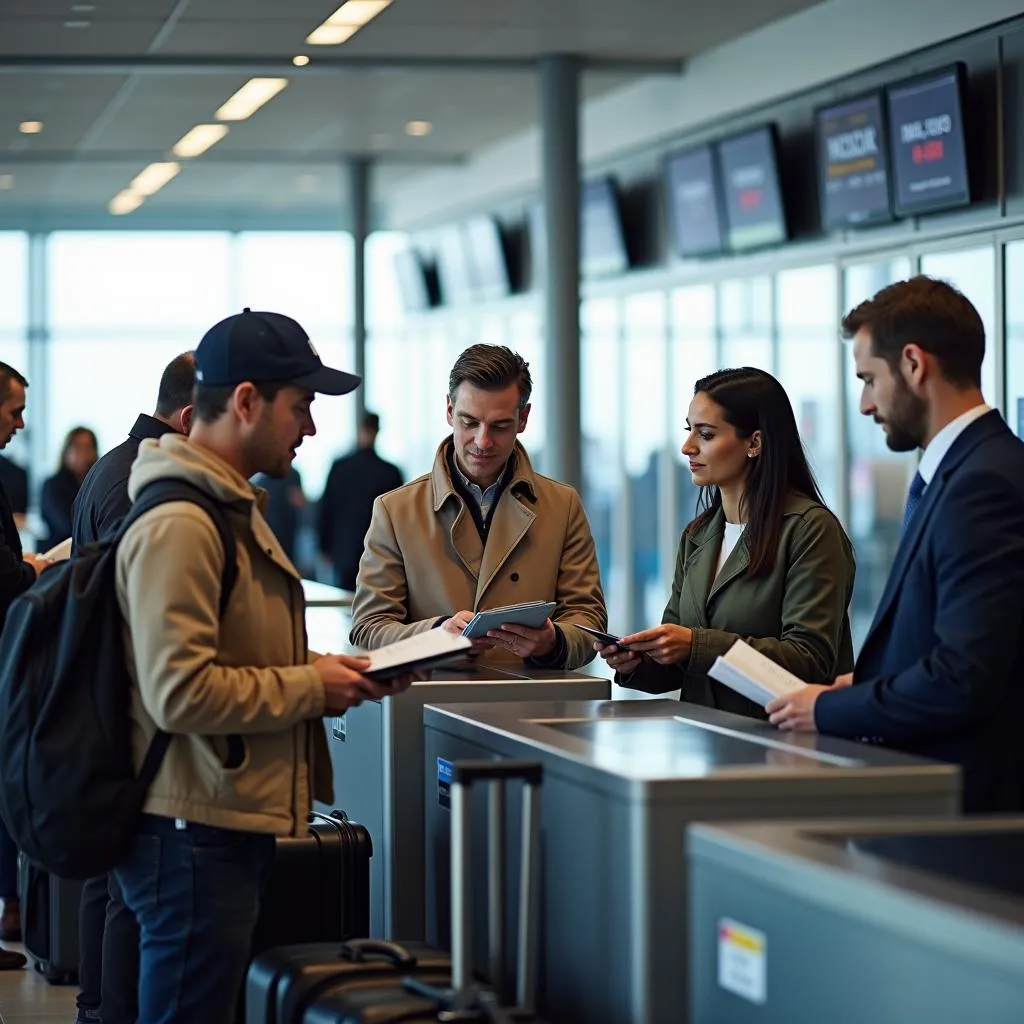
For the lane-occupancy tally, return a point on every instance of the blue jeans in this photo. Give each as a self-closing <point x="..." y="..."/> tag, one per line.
<point x="195" y="893"/>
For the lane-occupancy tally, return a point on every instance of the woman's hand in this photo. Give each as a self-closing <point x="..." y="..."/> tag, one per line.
<point x="666" y="644"/>
<point x="617" y="658"/>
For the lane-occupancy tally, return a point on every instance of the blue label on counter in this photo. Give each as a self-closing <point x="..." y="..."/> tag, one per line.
<point x="444" y="782"/>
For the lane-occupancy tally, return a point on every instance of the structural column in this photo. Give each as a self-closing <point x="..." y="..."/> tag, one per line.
<point x="559" y="102"/>
<point x="359" y="192"/>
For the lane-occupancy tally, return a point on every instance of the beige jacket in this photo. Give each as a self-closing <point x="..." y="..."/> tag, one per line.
<point x="424" y="560"/>
<point x="203" y="678"/>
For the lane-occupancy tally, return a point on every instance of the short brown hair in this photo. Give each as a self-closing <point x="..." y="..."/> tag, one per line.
<point x="492" y="368"/>
<point x="7" y="374"/>
<point x="931" y="314"/>
<point x="210" y="403"/>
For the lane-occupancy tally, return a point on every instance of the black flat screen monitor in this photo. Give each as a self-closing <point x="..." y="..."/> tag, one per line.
<point x="487" y="255"/>
<point x="412" y="281"/>
<point x="754" y="213"/>
<point x="454" y="271"/>
<point x="691" y="189"/>
<point x="929" y="149"/>
<point x="602" y="243"/>
<point x="853" y="163"/>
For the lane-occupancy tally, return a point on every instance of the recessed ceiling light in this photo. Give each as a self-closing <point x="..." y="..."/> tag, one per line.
<point x="419" y="128"/>
<point x="331" y="35"/>
<point x="300" y="61"/>
<point x="83" y="8"/>
<point x="153" y="178"/>
<point x="30" y="127"/>
<point x="125" y="202"/>
<point x="250" y="98"/>
<point x="77" y="24"/>
<point x="6" y="182"/>
<point x="307" y="183"/>
<point x="199" y="139"/>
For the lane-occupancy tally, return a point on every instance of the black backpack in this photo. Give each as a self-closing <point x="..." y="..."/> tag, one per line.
<point x="69" y="795"/>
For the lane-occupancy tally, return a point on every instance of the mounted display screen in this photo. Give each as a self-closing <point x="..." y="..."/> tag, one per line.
<point x="602" y="243"/>
<point x="487" y="254"/>
<point x="691" y="188"/>
<point x="750" y="181"/>
<point x="853" y="163"/>
<point x="929" y="152"/>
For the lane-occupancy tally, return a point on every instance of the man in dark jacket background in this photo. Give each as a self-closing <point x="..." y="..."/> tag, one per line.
<point x="108" y="932"/>
<point x="18" y="571"/>
<point x="353" y="484"/>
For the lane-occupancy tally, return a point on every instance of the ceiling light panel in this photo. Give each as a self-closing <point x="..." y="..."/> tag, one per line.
<point x="153" y="178"/>
<point x="250" y="98"/>
<point x="331" y="35"/>
<point x="124" y="202"/>
<point x="199" y="140"/>
<point x="357" y="12"/>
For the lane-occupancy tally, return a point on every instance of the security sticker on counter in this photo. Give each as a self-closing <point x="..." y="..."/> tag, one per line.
<point x="444" y="783"/>
<point x="743" y="961"/>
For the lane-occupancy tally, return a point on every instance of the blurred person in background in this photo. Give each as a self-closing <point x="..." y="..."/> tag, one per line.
<point x="285" y="503"/>
<point x="346" y="507"/>
<point x="18" y="572"/>
<point x="77" y="457"/>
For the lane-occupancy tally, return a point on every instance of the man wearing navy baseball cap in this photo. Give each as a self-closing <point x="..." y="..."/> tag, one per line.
<point x="237" y="690"/>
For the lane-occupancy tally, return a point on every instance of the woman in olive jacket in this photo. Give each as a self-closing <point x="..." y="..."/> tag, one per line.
<point x="764" y="561"/>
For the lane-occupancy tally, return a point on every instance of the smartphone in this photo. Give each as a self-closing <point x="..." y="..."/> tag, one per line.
<point x="608" y="639"/>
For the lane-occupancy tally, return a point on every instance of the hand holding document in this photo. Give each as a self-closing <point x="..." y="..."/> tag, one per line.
<point x="59" y="552"/>
<point x="754" y="676"/>
<point x="424" y="650"/>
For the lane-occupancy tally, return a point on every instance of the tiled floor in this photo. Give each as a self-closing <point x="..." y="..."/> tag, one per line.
<point x="26" y="998"/>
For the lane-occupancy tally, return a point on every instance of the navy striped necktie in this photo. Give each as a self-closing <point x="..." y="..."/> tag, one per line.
<point x="913" y="499"/>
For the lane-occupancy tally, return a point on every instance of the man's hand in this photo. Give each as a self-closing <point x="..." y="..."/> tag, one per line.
<point x="843" y="681"/>
<point x="458" y="622"/>
<point x="618" y="658"/>
<point x="524" y="642"/>
<point x="666" y="644"/>
<point x="795" y="711"/>
<point x="37" y="563"/>
<point x="345" y="686"/>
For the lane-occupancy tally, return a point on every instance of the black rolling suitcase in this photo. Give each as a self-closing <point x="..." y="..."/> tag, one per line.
<point x="368" y="980"/>
<point x="319" y="886"/>
<point x="49" y="921"/>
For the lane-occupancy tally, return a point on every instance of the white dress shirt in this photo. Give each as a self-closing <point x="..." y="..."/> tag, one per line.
<point x="933" y="455"/>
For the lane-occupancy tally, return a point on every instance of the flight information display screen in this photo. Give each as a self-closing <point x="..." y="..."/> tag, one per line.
<point x="753" y="199"/>
<point x="693" y="202"/>
<point x="853" y="163"/>
<point x="929" y="152"/>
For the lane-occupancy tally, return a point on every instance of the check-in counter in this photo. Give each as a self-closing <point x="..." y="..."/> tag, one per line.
<point x="858" y="921"/>
<point x="622" y="780"/>
<point x="377" y="758"/>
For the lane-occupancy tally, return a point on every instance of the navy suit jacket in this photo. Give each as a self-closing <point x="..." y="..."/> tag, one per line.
<point x="941" y="673"/>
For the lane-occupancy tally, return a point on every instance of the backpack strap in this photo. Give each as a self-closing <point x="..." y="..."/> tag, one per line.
<point x="159" y="493"/>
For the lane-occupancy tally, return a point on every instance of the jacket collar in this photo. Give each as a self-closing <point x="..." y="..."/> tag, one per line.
<point x="149" y="426"/>
<point x="985" y="428"/>
<point x="523" y="480"/>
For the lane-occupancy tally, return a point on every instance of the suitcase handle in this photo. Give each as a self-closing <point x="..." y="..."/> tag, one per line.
<point x="358" y="949"/>
<point x="496" y="773"/>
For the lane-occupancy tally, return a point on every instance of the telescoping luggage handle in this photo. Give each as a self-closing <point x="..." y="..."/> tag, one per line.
<point x="497" y="773"/>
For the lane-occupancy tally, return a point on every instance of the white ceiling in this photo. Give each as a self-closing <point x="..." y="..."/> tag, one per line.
<point x="103" y="124"/>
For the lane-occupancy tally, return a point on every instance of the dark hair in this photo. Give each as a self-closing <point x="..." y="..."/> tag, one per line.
<point x="754" y="400"/>
<point x="69" y="440"/>
<point x="7" y="374"/>
<point x="176" y="385"/>
<point x="209" y="404"/>
<point x="928" y="313"/>
<point x="492" y="368"/>
<point x="370" y="421"/>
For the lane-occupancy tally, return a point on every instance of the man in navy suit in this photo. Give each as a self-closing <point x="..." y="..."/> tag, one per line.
<point x="941" y="673"/>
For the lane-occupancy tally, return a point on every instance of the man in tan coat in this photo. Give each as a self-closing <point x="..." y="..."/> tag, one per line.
<point x="239" y="693"/>
<point x="482" y="530"/>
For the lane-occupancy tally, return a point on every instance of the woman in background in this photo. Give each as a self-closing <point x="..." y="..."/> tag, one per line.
<point x="764" y="561"/>
<point x="77" y="457"/>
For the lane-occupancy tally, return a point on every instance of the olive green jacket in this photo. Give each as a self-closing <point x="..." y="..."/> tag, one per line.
<point x="796" y="614"/>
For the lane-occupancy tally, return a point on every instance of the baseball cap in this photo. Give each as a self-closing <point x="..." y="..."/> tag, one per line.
<point x="266" y="348"/>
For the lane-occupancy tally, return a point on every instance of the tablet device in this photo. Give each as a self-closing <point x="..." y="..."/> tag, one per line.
<point x="605" y="638"/>
<point x="532" y="614"/>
